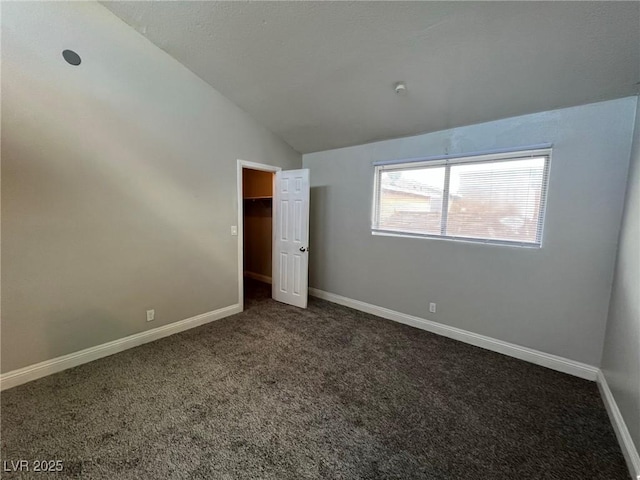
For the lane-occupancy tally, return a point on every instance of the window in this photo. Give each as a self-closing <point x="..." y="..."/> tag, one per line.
<point x="494" y="198"/>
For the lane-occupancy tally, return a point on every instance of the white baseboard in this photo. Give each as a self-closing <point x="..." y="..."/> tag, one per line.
<point x="629" y="450"/>
<point x="257" y="276"/>
<point x="49" y="367"/>
<point x="553" y="362"/>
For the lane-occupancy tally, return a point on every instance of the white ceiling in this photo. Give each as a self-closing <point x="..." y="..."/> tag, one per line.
<point x="321" y="74"/>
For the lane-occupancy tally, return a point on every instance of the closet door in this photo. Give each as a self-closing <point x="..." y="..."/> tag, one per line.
<point x="291" y="237"/>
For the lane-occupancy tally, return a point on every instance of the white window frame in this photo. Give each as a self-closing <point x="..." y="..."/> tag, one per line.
<point x="447" y="161"/>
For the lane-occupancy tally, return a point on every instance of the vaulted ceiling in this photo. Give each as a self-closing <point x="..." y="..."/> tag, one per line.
<point x="321" y="74"/>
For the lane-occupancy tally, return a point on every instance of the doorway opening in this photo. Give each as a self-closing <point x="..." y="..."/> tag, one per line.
<point x="257" y="223"/>
<point x="255" y="183"/>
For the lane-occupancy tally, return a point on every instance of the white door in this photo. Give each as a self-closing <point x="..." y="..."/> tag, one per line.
<point x="291" y="237"/>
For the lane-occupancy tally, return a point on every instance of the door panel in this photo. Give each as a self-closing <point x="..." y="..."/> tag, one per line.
<point x="291" y="222"/>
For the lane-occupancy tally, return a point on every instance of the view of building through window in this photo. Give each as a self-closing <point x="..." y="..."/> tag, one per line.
<point x="411" y="201"/>
<point x="500" y="200"/>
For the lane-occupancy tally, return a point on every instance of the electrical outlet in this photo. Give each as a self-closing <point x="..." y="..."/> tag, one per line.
<point x="432" y="307"/>
<point x="151" y="315"/>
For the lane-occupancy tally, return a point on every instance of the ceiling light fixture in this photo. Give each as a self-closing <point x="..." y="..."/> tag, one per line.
<point x="400" y="88"/>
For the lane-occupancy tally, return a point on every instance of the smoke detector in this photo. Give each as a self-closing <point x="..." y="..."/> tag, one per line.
<point x="400" y="88"/>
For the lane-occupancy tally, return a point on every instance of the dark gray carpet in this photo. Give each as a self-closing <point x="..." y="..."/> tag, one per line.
<point x="328" y="392"/>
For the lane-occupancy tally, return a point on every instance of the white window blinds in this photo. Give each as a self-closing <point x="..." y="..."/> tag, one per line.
<point x="497" y="198"/>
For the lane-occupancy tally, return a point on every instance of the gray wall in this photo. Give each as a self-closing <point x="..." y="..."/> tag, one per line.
<point x="621" y="354"/>
<point x="118" y="183"/>
<point x="553" y="299"/>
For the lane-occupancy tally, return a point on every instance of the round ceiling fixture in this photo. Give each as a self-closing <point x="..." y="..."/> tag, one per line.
<point x="400" y="88"/>
<point x="71" y="57"/>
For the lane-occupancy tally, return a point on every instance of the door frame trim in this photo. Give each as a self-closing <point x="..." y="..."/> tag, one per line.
<point x="242" y="164"/>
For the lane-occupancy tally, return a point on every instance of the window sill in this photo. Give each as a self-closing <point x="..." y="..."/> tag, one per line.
<point x="494" y="243"/>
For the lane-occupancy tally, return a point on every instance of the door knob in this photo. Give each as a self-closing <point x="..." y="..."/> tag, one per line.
<point x="302" y="249"/>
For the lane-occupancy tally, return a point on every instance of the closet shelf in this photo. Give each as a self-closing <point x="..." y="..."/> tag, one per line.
<point x="266" y="197"/>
